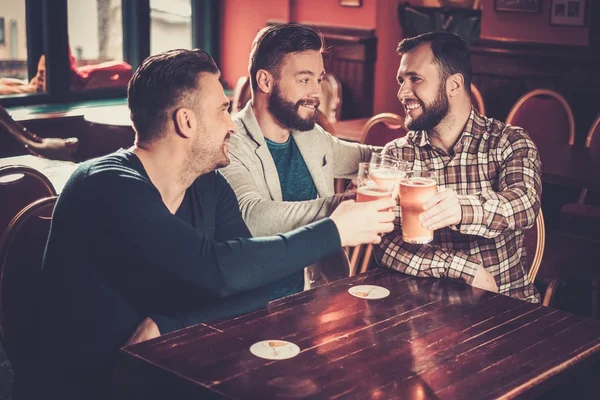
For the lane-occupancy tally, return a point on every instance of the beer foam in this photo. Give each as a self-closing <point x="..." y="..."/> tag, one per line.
<point x="418" y="181"/>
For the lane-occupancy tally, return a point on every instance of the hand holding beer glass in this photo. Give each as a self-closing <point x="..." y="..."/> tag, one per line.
<point x="415" y="189"/>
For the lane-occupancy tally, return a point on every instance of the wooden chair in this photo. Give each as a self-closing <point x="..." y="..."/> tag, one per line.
<point x="241" y="94"/>
<point x="378" y="131"/>
<point x="382" y="128"/>
<point x="331" y="98"/>
<point x="477" y="100"/>
<point x="534" y="241"/>
<point x="581" y="218"/>
<point x="545" y="115"/>
<point x="21" y="251"/>
<point x="19" y="186"/>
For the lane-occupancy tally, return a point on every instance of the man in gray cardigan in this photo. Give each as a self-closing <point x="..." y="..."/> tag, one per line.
<point x="283" y="165"/>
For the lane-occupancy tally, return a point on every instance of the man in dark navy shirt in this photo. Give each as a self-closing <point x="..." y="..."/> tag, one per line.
<point x="149" y="240"/>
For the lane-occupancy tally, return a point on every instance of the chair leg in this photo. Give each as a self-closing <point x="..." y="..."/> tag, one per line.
<point x="354" y="259"/>
<point x="366" y="259"/>
<point x="550" y="291"/>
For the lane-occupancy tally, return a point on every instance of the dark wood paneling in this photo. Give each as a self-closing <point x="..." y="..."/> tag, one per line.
<point x="505" y="71"/>
<point x="351" y="57"/>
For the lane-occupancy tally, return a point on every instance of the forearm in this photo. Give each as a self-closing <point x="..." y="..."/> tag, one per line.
<point x="490" y="214"/>
<point x="424" y="260"/>
<point x="268" y="217"/>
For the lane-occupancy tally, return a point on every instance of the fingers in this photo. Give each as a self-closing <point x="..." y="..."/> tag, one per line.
<point x="437" y="198"/>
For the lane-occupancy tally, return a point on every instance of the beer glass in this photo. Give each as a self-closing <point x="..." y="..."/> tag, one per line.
<point x="415" y="189"/>
<point x="375" y="182"/>
<point x="387" y="168"/>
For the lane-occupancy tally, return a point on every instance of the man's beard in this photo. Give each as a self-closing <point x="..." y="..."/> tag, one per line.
<point x="286" y="112"/>
<point x="200" y="160"/>
<point x="431" y="114"/>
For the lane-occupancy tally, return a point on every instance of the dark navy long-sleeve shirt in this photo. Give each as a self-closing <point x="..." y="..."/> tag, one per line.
<point x="116" y="255"/>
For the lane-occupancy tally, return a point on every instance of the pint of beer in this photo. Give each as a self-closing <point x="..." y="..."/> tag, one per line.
<point x="375" y="182"/>
<point x="415" y="189"/>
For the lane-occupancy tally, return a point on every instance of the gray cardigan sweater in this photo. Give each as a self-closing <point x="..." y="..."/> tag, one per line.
<point x="253" y="176"/>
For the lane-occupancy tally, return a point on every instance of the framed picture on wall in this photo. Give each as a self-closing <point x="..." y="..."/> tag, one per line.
<point x="567" y="12"/>
<point x="351" y="3"/>
<point x="532" y="6"/>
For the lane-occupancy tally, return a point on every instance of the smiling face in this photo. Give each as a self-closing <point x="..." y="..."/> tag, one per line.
<point x="422" y="90"/>
<point x="213" y="125"/>
<point x="296" y="93"/>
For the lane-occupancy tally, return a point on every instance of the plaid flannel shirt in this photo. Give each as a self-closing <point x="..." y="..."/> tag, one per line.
<point x="496" y="173"/>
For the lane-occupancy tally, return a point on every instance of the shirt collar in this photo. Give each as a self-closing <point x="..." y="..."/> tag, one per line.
<point x="476" y="126"/>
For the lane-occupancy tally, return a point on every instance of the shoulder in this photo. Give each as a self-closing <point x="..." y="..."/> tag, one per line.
<point x="509" y="137"/>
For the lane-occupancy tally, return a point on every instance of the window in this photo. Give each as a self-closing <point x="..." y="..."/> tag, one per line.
<point x="88" y="49"/>
<point x="96" y="45"/>
<point x="13" y="50"/>
<point x="2" y="30"/>
<point x="170" y="25"/>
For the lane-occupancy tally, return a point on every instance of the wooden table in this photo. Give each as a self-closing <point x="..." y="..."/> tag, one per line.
<point x="429" y="339"/>
<point x="58" y="172"/>
<point x="350" y="129"/>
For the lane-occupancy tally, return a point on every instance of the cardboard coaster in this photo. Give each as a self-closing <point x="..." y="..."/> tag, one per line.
<point x="275" y="349"/>
<point x="369" y="292"/>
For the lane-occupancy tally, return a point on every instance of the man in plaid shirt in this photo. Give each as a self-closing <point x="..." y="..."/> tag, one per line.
<point x="489" y="175"/>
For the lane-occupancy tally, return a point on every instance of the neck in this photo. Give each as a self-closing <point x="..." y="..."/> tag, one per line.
<point x="268" y="125"/>
<point x="167" y="176"/>
<point x="448" y="131"/>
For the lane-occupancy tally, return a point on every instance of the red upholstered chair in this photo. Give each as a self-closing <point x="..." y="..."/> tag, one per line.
<point x="21" y="251"/>
<point x="20" y="186"/>
<point x="242" y="93"/>
<point x="545" y="115"/>
<point x="477" y="100"/>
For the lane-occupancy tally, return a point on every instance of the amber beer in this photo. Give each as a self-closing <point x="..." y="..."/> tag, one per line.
<point x="372" y="193"/>
<point x="415" y="189"/>
<point x="369" y="187"/>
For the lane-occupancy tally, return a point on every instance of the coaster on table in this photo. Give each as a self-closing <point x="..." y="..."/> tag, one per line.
<point x="275" y="349"/>
<point x="369" y="292"/>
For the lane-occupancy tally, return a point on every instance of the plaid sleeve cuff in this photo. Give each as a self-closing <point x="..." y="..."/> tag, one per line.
<point x="461" y="266"/>
<point x="472" y="215"/>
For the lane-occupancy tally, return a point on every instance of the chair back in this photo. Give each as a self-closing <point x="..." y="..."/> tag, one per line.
<point x="21" y="251"/>
<point x="545" y="115"/>
<point x="241" y="94"/>
<point x="331" y="98"/>
<point x="20" y="186"/>
<point x="534" y="241"/>
<point x="382" y="129"/>
<point x="477" y="100"/>
<point x="592" y="139"/>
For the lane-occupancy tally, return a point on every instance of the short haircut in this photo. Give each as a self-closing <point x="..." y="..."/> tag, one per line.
<point x="272" y="43"/>
<point x="450" y="53"/>
<point x="163" y="82"/>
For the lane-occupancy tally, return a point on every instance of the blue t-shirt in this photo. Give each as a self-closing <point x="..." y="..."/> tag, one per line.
<point x="296" y="185"/>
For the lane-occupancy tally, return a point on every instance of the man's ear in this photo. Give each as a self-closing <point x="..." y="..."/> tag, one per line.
<point x="184" y="121"/>
<point x="265" y="81"/>
<point x="454" y="84"/>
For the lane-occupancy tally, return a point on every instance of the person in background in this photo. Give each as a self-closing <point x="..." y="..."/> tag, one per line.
<point x="489" y="175"/>
<point x="149" y="240"/>
<point x="52" y="148"/>
<point x="283" y="165"/>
